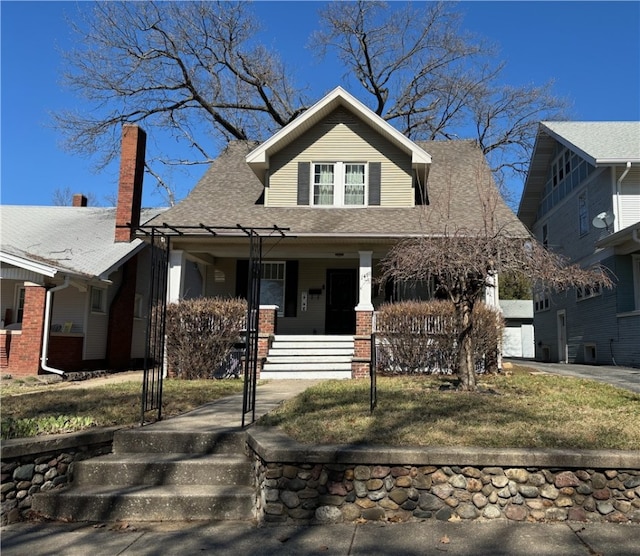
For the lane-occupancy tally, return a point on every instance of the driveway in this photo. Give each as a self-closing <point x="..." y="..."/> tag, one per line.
<point x="621" y="377"/>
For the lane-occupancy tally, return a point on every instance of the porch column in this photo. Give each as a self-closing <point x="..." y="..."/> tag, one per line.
<point x="361" y="361"/>
<point x="364" y="299"/>
<point x="492" y="299"/>
<point x="176" y="276"/>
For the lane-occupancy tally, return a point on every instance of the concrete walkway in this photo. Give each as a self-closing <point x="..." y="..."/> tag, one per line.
<point x="621" y="377"/>
<point x="497" y="537"/>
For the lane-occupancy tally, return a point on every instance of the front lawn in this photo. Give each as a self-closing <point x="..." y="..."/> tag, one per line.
<point x="523" y="409"/>
<point x="30" y="410"/>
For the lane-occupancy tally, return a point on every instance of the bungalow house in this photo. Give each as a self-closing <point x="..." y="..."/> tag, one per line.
<point x="582" y="200"/>
<point x="73" y="279"/>
<point x="338" y="187"/>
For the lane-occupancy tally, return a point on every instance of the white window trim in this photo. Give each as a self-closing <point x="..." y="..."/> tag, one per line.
<point x="541" y="302"/>
<point x="339" y="184"/>
<point x="593" y="292"/>
<point x="284" y="284"/>
<point x="103" y="301"/>
<point x="19" y="288"/>
<point x="583" y="223"/>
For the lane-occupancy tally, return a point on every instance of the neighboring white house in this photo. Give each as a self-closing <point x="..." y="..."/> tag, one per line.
<point x="74" y="280"/>
<point x="582" y="200"/>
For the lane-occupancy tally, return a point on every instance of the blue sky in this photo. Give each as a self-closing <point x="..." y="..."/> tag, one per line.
<point x="590" y="49"/>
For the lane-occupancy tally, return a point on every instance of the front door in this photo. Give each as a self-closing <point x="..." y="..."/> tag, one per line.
<point x="341" y="301"/>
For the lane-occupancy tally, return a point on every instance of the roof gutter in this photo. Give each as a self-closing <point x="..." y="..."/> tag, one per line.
<point x="47" y="327"/>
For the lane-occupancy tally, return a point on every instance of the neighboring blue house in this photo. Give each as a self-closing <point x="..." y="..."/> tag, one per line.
<point x="582" y="200"/>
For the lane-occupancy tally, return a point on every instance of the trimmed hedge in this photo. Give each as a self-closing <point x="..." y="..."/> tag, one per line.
<point x="421" y="337"/>
<point x="201" y="333"/>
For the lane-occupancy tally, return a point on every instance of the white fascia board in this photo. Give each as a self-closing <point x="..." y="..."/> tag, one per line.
<point x="569" y="145"/>
<point x="104" y="275"/>
<point x="339" y="96"/>
<point x="616" y="161"/>
<point x="27" y="264"/>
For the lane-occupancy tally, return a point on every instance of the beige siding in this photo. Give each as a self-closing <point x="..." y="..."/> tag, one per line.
<point x="69" y="306"/>
<point x="312" y="274"/>
<point x="341" y="137"/>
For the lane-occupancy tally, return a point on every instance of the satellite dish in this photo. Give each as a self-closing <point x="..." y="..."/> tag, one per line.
<point x="603" y="220"/>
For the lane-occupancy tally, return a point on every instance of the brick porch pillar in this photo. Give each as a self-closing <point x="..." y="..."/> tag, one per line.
<point x="24" y="358"/>
<point x="5" y="342"/>
<point x="267" y="328"/>
<point x="361" y="362"/>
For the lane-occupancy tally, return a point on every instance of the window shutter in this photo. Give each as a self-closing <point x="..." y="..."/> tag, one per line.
<point x="374" y="183"/>
<point x="242" y="278"/>
<point x="420" y="190"/>
<point x="291" y="289"/>
<point x="304" y="170"/>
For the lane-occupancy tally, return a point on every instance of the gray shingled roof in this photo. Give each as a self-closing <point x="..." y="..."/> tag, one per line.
<point x="230" y="194"/>
<point x="599" y="142"/>
<point x="72" y="240"/>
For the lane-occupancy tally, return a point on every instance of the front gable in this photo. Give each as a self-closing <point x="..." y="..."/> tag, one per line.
<point x="339" y="139"/>
<point x="350" y="144"/>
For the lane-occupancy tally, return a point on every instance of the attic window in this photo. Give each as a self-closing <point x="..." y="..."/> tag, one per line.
<point x="339" y="183"/>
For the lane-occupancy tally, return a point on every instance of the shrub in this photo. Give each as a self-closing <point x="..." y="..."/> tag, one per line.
<point x="421" y="337"/>
<point x="201" y="334"/>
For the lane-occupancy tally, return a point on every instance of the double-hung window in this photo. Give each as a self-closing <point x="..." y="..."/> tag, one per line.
<point x="339" y="183"/>
<point x="272" y="285"/>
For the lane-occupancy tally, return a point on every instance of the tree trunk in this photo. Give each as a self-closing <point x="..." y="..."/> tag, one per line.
<point x="466" y="368"/>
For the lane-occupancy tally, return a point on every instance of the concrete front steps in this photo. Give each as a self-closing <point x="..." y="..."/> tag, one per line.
<point x="159" y="475"/>
<point x="309" y="357"/>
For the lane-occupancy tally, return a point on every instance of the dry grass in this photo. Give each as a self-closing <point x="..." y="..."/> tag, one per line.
<point x="105" y="405"/>
<point x="522" y="410"/>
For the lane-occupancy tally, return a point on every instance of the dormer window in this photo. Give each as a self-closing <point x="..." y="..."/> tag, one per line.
<point x="339" y="183"/>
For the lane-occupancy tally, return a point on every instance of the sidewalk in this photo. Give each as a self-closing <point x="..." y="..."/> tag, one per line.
<point x="242" y="539"/>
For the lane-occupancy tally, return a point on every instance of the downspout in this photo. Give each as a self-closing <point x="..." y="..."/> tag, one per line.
<point x="47" y="327"/>
<point x="618" y="185"/>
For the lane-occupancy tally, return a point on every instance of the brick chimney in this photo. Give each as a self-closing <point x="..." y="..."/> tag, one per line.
<point x="134" y="141"/>
<point x="79" y="200"/>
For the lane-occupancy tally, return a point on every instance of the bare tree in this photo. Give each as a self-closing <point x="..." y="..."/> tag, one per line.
<point x="198" y="71"/>
<point x="193" y="69"/>
<point x="464" y="260"/>
<point x="433" y="81"/>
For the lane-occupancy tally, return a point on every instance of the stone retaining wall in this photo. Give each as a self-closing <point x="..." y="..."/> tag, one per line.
<point x="37" y="464"/>
<point x="298" y="484"/>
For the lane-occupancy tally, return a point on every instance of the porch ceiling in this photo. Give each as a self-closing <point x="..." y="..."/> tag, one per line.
<point x="286" y="247"/>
